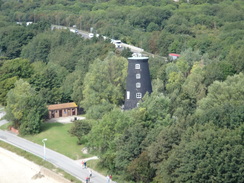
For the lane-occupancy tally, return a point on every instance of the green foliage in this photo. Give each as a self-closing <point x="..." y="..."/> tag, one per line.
<point x="5" y="86"/>
<point x="12" y="39"/>
<point x="10" y="72"/>
<point x="218" y="71"/>
<point x="17" y="67"/>
<point x="160" y="149"/>
<point x="139" y="170"/>
<point x="25" y="108"/>
<point x="126" y="53"/>
<point x="103" y="136"/>
<point x="192" y="90"/>
<point x="104" y="85"/>
<point x="80" y="129"/>
<point x="156" y="142"/>
<point x="17" y="101"/>
<point x="235" y="57"/>
<point x="129" y="146"/>
<point x="226" y="115"/>
<point x="205" y="154"/>
<point x="147" y="15"/>
<point x="157" y="109"/>
<point x="220" y="93"/>
<point x="34" y="116"/>
<point x="38" y="49"/>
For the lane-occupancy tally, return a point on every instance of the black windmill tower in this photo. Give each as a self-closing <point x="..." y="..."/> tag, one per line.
<point x="138" y="81"/>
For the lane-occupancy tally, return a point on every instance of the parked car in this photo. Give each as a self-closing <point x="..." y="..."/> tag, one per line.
<point x="90" y="35"/>
<point x="117" y="43"/>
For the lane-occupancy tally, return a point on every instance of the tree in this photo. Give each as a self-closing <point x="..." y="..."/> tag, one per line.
<point x="126" y="53"/>
<point x="152" y="27"/>
<point x="17" y="101"/>
<point x="166" y="140"/>
<point x="129" y="146"/>
<point x="47" y="80"/>
<point x="104" y="85"/>
<point x="25" y="108"/>
<point x="139" y="170"/>
<point x="12" y="39"/>
<point x="70" y="84"/>
<point x="235" y="57"/>
<point x="34" y="115"/>
<point x="17" y="67"/>
<point x="39" y="48"/>
<point x="224" y="116"/>
<point x="218" y="70"/>
<point x="80" y="129"/>
<point x="104" y="133"/>
<point x="226" y="92"/>
<point x="192" y="90"/>
<point x="5" y="86"/>
<point x="157" y="110"/>
<point x="205" y="154"/>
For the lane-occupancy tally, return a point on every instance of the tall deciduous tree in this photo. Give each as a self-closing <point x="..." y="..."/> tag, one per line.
<point x="10" y="72"/>
<point x="228" y="92"/>
<point x="80" y="129"/>
<point x="17" y="67"/>
<point x="25" y="108"/>
<point x="129" y="146"/>
<point x="104" y="85"/>
<point x="104" y="133"/>
<point x="139" y="170"/>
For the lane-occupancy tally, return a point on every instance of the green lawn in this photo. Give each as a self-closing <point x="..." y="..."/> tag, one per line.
<point x="59" y="139"/>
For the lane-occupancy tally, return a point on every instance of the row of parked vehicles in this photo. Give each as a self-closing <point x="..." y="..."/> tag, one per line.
<point x="117" y="43"/>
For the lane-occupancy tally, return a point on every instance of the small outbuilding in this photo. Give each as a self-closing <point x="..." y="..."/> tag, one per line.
<point x="62" y="110"/>
<point x="174" y="56"/>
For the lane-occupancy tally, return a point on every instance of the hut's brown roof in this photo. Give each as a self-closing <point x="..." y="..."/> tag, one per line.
<point x="62" y="106"/>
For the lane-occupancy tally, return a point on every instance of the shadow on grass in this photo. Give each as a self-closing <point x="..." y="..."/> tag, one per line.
<point x="47" y="126"/>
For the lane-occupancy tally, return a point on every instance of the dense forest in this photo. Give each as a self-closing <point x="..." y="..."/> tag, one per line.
<point x="189" y="129"/>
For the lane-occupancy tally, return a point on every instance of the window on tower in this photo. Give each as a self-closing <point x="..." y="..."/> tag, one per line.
<point x="138" y="85"/>
<point x="137" y="66"/>
<point x="138" y="76"/>
<point x="138" y="95"/>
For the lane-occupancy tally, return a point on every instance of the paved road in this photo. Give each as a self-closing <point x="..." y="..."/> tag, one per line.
<point x="68" y="165"/>
<point x="84" y="34"/>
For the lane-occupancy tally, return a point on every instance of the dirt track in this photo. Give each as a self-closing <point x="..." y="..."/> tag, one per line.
<point x="14" y="168"/>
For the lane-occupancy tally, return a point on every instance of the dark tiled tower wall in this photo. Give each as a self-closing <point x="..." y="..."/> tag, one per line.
<point x="138" y="81"/>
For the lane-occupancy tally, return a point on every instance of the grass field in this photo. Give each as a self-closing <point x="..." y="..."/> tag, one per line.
<point x="59" y="139"/>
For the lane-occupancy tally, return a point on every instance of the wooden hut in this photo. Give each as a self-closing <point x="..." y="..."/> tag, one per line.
<point x="62" y="110"/>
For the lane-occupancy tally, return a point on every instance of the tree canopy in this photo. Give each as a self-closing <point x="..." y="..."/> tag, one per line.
<point x="189" y="129"/>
